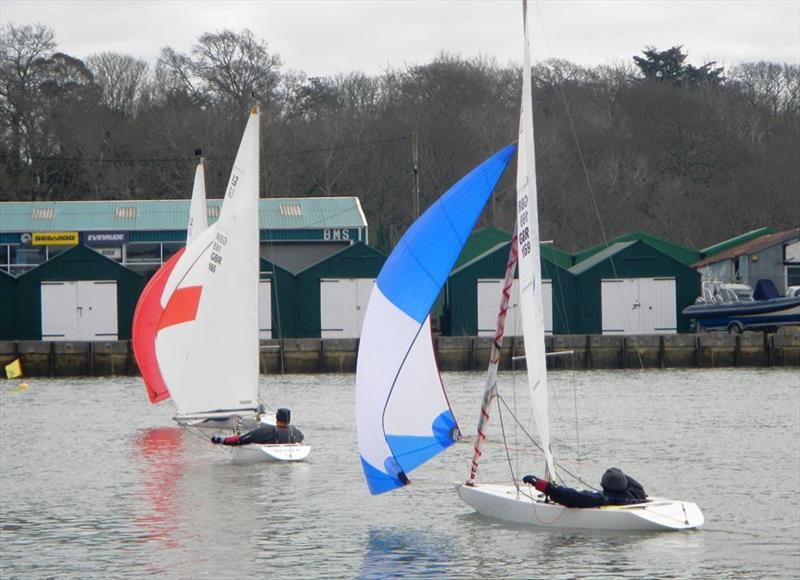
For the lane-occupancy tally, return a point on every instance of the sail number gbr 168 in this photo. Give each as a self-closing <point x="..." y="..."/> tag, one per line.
<point x="216" y="251"/>
<point x="524" y="229"/>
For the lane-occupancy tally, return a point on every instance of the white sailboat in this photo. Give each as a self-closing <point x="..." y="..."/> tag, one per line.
<point x="519" y="503"/>
<point x="398" y="387"/>
<point x="197" y="330"/>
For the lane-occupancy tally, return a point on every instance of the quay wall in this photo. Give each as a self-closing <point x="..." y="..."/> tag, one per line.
<point x="308" y="355"/>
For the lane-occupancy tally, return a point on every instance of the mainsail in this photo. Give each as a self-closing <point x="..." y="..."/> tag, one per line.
<point x="198" y="213"/>
<point x="402" y="413"/>
<point x="530" y="276"/>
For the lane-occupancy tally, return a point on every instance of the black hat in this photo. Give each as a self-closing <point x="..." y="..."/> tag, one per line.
<point x="614" y="480"/>
<point x="283" y="415"/>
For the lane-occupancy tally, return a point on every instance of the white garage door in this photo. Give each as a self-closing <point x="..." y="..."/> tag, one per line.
<point x="343" y="302"/>
<point x="489" y="295"/>
<point x="639" y="306"/>
<point x="264" y="309"/>
<point x="80" y="310"/>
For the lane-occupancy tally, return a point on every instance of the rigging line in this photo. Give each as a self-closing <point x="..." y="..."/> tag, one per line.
<point x="213" y="158"/>
<point x="505" y="440"/>
<point x="590" y="187"/>
<point x="577" y="422"/>
<point x="537" y="444"/>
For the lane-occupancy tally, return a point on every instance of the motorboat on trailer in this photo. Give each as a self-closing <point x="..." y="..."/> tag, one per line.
<point x="736" y="307"/>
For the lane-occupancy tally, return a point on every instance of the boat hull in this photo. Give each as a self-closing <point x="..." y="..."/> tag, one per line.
<point x="758" y="314"/>
<point x="275" y="452"/>
<point x="506" y="502"/>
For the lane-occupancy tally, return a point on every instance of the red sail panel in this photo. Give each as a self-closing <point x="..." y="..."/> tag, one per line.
<point x="182" y="306"/>
<point x="146" y="322"/>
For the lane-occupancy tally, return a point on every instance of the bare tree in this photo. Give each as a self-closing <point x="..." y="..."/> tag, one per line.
<point x="122" y="80"/>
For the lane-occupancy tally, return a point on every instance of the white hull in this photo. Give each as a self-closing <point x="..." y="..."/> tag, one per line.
<point x="505" y="502"/>
<point x="256" y="452"/>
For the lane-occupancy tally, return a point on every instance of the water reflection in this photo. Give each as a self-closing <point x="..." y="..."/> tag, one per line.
<point x="159" y="455"/>
<point x="393" y="553"/>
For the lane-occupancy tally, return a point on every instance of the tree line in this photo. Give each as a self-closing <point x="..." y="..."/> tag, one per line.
<point x="692" y="154"/>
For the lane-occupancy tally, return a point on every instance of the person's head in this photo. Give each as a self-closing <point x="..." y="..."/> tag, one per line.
<point x="614" y="482"/>
<point x="283" y="416"/>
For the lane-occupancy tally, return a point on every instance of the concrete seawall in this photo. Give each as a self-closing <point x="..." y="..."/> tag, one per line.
<point x="308" y="355"/>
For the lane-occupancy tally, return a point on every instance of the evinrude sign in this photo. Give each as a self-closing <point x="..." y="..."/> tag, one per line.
<point x="105" y="238"/>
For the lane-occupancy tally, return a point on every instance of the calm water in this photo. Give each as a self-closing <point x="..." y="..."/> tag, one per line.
<point x="97" y="483"/>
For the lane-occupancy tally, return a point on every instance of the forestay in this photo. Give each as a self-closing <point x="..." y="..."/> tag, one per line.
<point x="402" y="413"/>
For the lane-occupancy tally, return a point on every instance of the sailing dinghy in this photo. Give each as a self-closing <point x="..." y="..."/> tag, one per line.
<point x="197" y="329"/>
<point x="515" y="502"/>
<point x="399" y="389"/>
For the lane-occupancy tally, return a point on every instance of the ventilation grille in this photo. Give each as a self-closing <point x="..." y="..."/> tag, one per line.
<point x="43" y="213"/>
<point x="126" y="213"/>
<point x="293" y="210"/>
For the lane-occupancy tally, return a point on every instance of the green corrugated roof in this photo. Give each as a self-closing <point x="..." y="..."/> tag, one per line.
<point x="556" y="255"/>
<point x="600" y="256"/>
<point x="735" y="241"/>
<point x="676" y="251"/>
<point x="479" y="242"/>
<point x="172" y="214"/>
<point x="548" y="252"/>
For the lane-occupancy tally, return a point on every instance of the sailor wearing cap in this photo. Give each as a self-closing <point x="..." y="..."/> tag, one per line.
<point x="618" y="489"/>
<point x="281" y="432"/>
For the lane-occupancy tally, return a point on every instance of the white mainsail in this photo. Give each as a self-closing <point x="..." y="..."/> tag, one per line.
<point x="198" y="213"/>
<point x="530" y="277"/>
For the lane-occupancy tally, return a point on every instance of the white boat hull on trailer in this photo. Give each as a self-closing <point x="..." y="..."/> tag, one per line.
<point x="508" y="503"/>
<point x="270" y="452"/>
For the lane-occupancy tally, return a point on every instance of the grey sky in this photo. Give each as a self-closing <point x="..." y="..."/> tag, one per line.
<point x="327" y="36"/>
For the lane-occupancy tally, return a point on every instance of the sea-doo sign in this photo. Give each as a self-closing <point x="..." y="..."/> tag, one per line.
<point x="105" y="238"/>
<point x="54" y="238"/>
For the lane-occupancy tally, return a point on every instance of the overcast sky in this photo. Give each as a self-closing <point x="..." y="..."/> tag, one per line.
<point x="324" y="37"/>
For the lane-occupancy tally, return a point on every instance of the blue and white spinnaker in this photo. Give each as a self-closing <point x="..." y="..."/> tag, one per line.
<point x="403" y="418"/>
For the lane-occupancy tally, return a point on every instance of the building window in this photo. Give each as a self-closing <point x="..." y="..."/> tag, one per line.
<point x="143" y="253"/>
<point x="23" y="259"/>
<point x="792" y="275"/>
<point x="5" y="252"/>
<point x="53" y="251"/>
<point x="126" y="213"/>
<point x="170" y="248"/>
<point x="293" y="210"/>
<point x="43" y="213"/>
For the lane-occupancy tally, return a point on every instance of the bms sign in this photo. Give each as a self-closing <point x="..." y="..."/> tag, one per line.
<point x="336" y="234"/>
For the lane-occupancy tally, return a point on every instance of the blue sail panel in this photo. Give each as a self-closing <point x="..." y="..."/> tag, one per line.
<point x="415" y="272"/>
<point x="377" y="480"/>
<point x="411" y="451"/>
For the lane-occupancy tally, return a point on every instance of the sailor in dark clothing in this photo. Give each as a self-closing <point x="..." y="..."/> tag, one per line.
<point x="282" y="432"/>
<point x="618" y="489"/>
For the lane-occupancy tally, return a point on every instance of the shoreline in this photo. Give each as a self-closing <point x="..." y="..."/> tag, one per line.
<point x="314" y="355"/>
